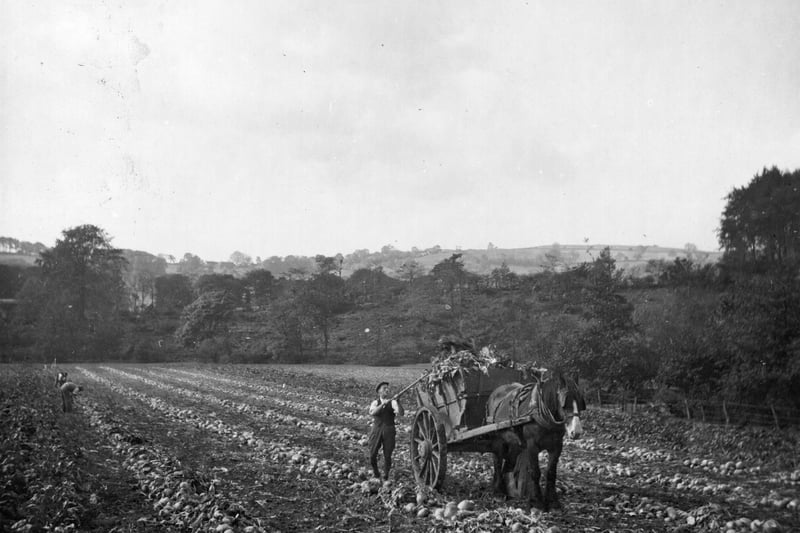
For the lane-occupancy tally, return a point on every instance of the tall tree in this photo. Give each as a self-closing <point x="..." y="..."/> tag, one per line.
<point x="761" y="221"/>
<point x="287" y="321"/>
<point x="82" y="292"/>
<point x="258" y="286"/>
<point x="323" y="298"/>
<point x="606" y="347"/>
<point x="450" y="275"/>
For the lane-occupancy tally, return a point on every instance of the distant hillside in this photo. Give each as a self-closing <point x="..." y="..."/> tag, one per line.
<point x="565" y="256"/>
<point x="631" y="258"/>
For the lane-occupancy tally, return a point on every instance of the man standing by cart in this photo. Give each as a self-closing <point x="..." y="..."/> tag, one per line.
<point x="384" y="409"/>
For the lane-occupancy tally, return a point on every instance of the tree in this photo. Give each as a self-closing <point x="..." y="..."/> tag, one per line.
<point x="450" y="275"/>
<point x="173" y="292"/>
<point x="297" y="273"/>
<point x="191" y="265"/>
<point x="606" y="347"/>
<point x="206" y="317"/>
<point x="12" y="279"/>
<point x="502" y="277"/>
<point x="322" y="299"/>
<point x="371" y="285"/>
<point x="140" y="276"/>
<point x="241" y="259"/>
<point x="81" y="293"/>
<point x="258" y="285"/>
<point x="409" y="271"/>
<point x="221" y="283"/>
<point x="328" y="265"/>
<point x="757" y="337"/>
<point x="287" y="320"/>
<point x="553" y="259"/>
<point x="761" y="222"/>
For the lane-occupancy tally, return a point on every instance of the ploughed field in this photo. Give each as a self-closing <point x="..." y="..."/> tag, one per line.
<point x="282" y="448"/>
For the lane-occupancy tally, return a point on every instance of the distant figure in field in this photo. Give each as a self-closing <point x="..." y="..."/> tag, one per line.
<point x="68" y="389"/>
<point x="382" y="435"/>
<point x="61" y="378"/>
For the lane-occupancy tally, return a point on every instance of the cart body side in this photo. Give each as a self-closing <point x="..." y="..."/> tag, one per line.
<point x="459" y="400"/>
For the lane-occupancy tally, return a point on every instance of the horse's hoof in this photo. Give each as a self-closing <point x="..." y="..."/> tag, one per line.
<point x="554" y="505"/>
<point x="537" y="504"/>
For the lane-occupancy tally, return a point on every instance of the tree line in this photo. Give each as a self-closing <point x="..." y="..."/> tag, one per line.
<point x="729" y="330"/>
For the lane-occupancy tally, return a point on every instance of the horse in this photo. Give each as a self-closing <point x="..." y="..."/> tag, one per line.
<point x="555" y="405"/>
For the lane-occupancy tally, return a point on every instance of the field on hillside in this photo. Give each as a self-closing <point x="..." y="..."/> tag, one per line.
<point x="240" y="448"/>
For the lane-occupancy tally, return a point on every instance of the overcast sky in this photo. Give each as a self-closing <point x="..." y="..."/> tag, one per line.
<point x="278" y="128"/>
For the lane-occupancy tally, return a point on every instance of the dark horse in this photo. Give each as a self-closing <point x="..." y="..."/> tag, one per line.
<point x="555" y="405"/>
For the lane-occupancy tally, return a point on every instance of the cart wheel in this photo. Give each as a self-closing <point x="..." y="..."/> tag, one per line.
<point x="428" y="449"/>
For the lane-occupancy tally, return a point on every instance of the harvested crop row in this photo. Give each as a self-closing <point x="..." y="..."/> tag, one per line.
<point x="263" y="454"/>
<point x="341" y="381"/>
<point x="467" y="467"/>
<point x="307" y="463"/>
<point x="311" y="395"/>
<point x="647" y="468"/>
<point x="180" y="498"/>
<point x="662" y="505"/>
<point x="276" y="452"/>
<point x="340" y="433"/>
<point x="265" y="398"/>
<point x="654" y="508"/>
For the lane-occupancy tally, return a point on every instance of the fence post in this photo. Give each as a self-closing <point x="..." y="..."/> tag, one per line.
<point x="702" y="413"/>
<point x="634" y="403"/>
<point x="725" y="412"/>
<point x="775" y="417"/>
<point x="686" y="406"/>
<point x="599" y="399"/>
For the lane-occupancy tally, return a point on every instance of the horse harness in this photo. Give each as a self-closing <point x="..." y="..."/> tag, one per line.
<point x="528" y="399"/>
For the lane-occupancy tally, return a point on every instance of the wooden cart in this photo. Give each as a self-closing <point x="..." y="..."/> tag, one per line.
<point x="451" y="417"/>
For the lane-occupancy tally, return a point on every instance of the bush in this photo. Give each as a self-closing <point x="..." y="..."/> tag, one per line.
<point x="214" y="350"/>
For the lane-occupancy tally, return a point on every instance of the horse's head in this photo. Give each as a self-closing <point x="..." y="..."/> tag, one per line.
<point x="571" y="403"/>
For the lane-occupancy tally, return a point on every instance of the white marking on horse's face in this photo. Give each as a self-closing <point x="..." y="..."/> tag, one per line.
<point x="562" y="400"/>
<point x="575" y="429"/>
<point x="562" y="397"/>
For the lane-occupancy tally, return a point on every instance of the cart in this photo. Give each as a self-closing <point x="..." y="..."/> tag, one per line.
<point x="451" y="417"/>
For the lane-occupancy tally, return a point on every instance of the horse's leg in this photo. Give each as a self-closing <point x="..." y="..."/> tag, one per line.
<point x="505" y="448"/>
<point x="497" y="478"/>
<point x="533" y="463"/>
<point x="550" y="496"/>
<point x="499" y="451"/>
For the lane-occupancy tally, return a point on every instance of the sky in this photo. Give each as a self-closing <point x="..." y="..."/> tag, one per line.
<point x="316" y="127"/>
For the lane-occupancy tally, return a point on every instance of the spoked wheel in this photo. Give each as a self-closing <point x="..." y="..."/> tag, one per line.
<point x="428" y="449"/>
